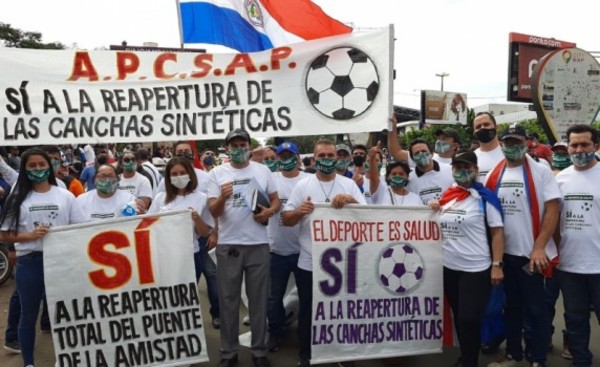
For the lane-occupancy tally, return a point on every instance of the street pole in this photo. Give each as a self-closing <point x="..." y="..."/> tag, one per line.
<point x="442" y="76"/>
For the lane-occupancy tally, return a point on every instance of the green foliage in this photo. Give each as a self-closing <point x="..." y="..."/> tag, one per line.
<point x="531" y="126"/>
<point x="428" y="133"/>
<point x="13" y="37"/>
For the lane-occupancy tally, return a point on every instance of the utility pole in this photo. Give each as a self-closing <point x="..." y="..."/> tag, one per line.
<point x="442" y="76"/>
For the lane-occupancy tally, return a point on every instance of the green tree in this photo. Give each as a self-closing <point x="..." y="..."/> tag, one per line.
<point x="14" y="37"/>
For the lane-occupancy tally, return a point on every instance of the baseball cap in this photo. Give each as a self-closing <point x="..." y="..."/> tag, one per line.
<point x="465" y="156"/>
<point x="237" y="133"/>
<point x="343" y="147"/>
<point x="287" y="146"/>
<point x="514" y="131"/>
<point x="448" y="132"/>
<point x="560" y="144"/>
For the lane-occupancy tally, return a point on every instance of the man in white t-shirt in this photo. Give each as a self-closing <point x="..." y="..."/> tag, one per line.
<point x="243" y="245"/>
<point x="579" y="269"/>
<point x="446" y="143"/>
<point x="325" y="186"/>
<point x="489" y="153"/>
<point x="429" y="179"/>
<point x="529" y="196"/>
<point x="284" y="241"/>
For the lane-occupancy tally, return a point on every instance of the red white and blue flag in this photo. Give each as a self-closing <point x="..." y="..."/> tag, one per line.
<point x="255" y="25"/>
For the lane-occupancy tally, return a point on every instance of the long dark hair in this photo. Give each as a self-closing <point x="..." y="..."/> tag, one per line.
<point x="172" y="190"/>
<point x="12" y="208"/>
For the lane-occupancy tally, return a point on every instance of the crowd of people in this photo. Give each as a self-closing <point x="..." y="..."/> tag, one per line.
<point x="506" y="210"/>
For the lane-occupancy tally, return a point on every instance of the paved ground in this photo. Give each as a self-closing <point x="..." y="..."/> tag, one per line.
<point x="286" y="357"/>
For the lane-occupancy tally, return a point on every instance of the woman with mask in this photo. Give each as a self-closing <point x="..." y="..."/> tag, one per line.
<point x="35" y="205"/>
<point x="471" y="221"/>
<point x="134" y="182"/>
<point x="106" y="201"/>
<point x="180" y="193"/>
<point x="396" y="176"/>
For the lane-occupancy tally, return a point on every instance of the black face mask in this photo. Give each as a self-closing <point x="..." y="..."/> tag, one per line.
<point x="485" y="135"/>
<point x="358" y="160"/>
<point x="102" y="160"/>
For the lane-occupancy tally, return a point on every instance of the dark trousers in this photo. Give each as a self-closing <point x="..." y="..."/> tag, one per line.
<point x="579" y="291"/>
<point x="467" y="294"/>
<point x="304" y="283"/>
<point x="526" y="299"/>
<point x="281" y="268"/>
<point x="205" y="265"/>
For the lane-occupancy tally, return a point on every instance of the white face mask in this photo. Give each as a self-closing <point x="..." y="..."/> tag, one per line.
<point x="180" y="182"/>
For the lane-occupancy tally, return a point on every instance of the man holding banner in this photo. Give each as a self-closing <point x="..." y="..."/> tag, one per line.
<point x="243" y="245"/>
<point x="325" y="186"/>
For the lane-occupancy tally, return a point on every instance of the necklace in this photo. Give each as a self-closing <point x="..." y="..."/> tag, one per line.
<point x="330" y="189"/>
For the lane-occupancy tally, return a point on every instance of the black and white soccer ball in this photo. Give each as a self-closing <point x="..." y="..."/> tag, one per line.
<point x="401" y="268"/>
<point x="342" y="83"/>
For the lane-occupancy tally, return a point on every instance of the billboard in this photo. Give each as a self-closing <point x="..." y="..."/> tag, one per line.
<point x="524" y="53"/>
<point x="441" y="107"/>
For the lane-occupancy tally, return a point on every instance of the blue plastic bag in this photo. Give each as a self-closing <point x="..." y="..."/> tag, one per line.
<point x="493" y="326"/>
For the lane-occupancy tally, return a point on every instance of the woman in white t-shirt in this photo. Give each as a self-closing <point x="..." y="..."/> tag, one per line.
<point x="133" y="181"/>
<point x="181" y="192"/>
<point x="35" y="205"/>
<point x="105" y="201"/>
<point x="396" y="175"/>
<point x="467" y="211"/>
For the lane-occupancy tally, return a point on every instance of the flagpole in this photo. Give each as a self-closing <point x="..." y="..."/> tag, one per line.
<point x="179" y="24"/>
<point x="391" y="70"/>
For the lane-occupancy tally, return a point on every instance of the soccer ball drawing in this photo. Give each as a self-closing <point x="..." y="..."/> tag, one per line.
<point x="342" y="83"/>
<point x="400" y="268"/>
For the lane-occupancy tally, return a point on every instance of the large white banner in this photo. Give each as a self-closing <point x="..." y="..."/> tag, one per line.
<point x="377" y="283"/>
<point x="327" y="86"/>
<point x="123" y="292"/>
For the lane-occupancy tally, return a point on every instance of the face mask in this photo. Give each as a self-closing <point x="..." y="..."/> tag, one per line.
<point x="209" y="160"/>
<point x="358" y="160"/>
<point x="102" y="160"/>
<point x="55" y="164"/>
<point x="180" y="182"/>
<point x="514" y="153"/>
<point x="129" y="166"/>
<point x="106" y="186"/>
<point x="325" y="165"/>
<point x="582" y="159"/>
<point x="188" y="156"/>
<point x="341" y="164"/>
<point x="462" y="176"/>
<point x="485" y="135"/>
<point x="288" y="164"/>
<point x="441" y="147"/>
<point x="273" y="165"/>
<point x="561" y="161"/>
<point x="423" y="159"/>
<point x="38" y="175"/>
<point x="398" y="181"/>
<point x="239" y="155"/>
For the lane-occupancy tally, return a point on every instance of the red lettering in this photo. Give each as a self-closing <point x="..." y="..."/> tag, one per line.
<point x="240" y="61"/>
<point x="278" y="54"/>
<point x="204" y="63"/>
<point x="159" y="65"/>
<point x="98" y="253"/>
<point x="83" y="67"/>
<point x="127" y="63"/>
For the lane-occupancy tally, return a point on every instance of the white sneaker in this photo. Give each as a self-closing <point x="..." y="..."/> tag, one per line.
<point x="505" y="361"/>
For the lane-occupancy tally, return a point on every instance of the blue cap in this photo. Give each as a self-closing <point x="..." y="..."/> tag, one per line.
<point x="287" y="146"/>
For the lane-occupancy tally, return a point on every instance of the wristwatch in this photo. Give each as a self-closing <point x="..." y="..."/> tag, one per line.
<point x="499" y="264"/>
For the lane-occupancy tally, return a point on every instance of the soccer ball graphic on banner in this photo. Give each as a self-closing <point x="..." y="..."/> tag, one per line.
<point x="342" y="83"/>
<point x="400" y="268"/>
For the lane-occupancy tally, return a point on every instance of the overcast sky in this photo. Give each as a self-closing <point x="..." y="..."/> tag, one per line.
<point x="467" y="39"/>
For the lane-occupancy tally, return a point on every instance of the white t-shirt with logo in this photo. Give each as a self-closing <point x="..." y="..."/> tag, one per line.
<point x="580" y="220"/>
<point x="195" y="200"/>
<point x="486" y="161"/>
<point x="431" y="185"/>
<point x="385" y="196"/>
<point x="463" y="227"/>
<point x="518" y="238"/>
<point x="284" y="240"/>
<point x="442" y="160"/>
<point x="237" y="225"/>
<point x="56" y="207"/>
<point x="97" y="208"/>
<point x="137" y="185"/>
<point x="319" y="192"/>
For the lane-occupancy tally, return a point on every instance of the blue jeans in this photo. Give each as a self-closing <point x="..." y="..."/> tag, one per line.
<point x="304" y="283"/>
<point x="281" y="268"/>
<point x="14" y="316"/>
<point x="30" y="285"/>
<point x="526" y="299"/>
<point x="579" y="291"/>
<point x="205" y="265"/>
